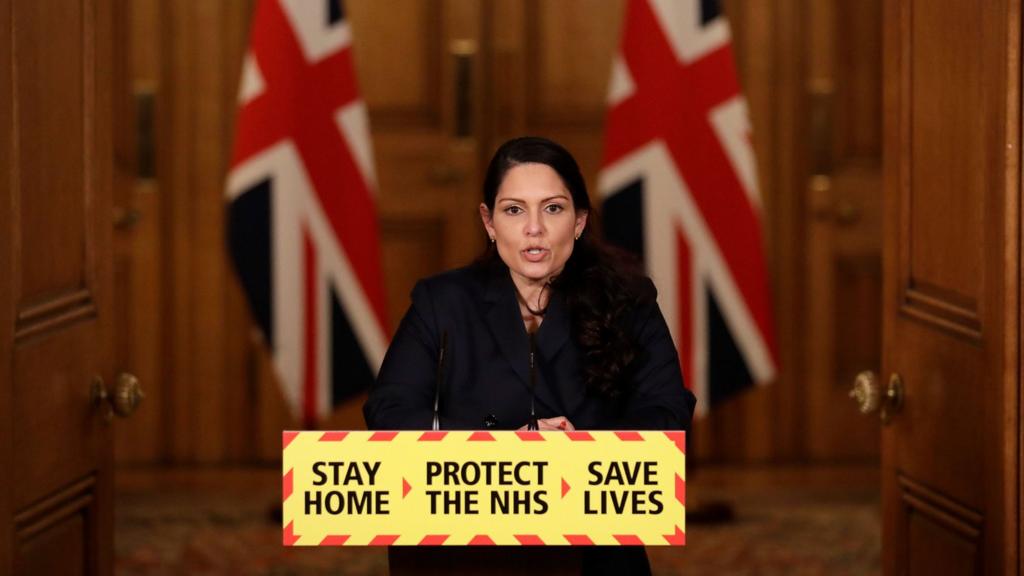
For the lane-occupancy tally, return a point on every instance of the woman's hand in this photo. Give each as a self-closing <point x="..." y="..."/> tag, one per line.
<point x="556" y="423"/>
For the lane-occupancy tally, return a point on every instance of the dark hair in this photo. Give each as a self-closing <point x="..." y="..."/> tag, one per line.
<point x="602" y="285"/>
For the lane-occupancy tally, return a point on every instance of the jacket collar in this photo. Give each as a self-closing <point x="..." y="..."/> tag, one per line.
<point x="508" y="330"/>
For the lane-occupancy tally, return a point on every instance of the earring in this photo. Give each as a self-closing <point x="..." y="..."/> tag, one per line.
<point x="578" y="236"/>
<point x="492" y="239"/>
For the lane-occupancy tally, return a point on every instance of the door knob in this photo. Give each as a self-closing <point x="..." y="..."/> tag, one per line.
<point x="867" y="392"/>
<point x="127" y="394"/>
<point x="126" y="397"/>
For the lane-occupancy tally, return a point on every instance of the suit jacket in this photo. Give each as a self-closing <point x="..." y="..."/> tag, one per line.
<point x="486" y="380"/>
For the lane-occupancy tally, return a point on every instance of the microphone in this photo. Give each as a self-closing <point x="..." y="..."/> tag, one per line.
<point x="532" y="425"/>
<point x="440" y="379"/>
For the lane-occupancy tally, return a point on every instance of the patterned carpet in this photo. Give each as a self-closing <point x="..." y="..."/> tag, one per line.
<point x="793" y="521"/>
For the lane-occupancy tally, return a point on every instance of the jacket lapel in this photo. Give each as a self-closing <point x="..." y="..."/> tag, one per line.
<point x="508" y="330"/>
<point x="554" y="331"/>
<point x="551" y="339"/>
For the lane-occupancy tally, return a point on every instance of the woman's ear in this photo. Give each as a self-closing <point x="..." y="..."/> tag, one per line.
<point x="581" y="221"/>
<point x="485" y="217"/>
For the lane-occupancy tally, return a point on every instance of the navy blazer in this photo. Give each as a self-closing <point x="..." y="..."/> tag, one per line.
<point x="486" y="368"/>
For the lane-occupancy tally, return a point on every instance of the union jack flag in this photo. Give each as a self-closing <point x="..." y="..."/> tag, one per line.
<point x="679" y="185"/>
<point x="302" y="222"/>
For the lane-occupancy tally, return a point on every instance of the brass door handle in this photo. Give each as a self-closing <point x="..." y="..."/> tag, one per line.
<point x="126" y="397"/>
<point x="867" y="392"/>
<point x="463" y="51"/>
<point x="127" y="394"/>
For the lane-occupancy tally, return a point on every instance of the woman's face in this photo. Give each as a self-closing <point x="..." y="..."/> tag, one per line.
<point x="534" y="222"/>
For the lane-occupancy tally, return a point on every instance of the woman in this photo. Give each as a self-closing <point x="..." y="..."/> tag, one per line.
<point x="546" y="290"/>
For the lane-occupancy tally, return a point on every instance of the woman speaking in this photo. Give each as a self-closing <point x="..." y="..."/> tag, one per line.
<point x="550" y="329"/>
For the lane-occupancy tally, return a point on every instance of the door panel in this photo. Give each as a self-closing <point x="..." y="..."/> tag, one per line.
<point x="55" y="245"/>
<point x="951" y="285"/>
<point x="66" y="522"/>
<point x="936" y="535"/>
<point x="51" y="96"/>
<point x="844" y="222"/>
<point x="58" y="434"/>
<point x="419" y="69"/>
<point x="551" y="62"/>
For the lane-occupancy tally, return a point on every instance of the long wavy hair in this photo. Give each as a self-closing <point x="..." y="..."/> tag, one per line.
<point x="602" y="285"/>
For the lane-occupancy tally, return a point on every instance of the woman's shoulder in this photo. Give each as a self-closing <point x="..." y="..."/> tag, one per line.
<point x="644" y="290"/>
<point x="455" y="285"/>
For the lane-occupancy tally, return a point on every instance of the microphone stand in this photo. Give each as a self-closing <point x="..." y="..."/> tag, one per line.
<point x="532" y="425"/>
<point x="440" y="378"/>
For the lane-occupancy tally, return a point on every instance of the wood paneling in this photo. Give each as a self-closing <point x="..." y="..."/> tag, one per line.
<point x="398" y="58"/>
<point x="944" y="171"/>
<point x="842" y="224"/>
<point x="66" y="522"/>
<point x="951" y="323"/>
<point x="56" y="300"/>
<point x="415" y="249"/>
<point x="203" y="392"/>
<point x="550" y="64"/>
<point x="940" y="536"/>
<point x="569" y="47"/>
<point x="36" y="555"/>
<point x="51" y="404"/>
<point x="51" y="94"/>
<point x="858" y="95"/>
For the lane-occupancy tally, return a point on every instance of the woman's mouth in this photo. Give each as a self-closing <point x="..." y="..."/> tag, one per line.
<point x="535" y="254"/>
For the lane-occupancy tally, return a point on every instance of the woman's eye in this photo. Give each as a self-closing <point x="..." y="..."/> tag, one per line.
<point x="513" y="210"/>
<point x="554" y="208"/>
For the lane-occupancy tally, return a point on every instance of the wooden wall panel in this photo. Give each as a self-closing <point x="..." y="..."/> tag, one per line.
<point x="858" y="40"/>
<point x="51" y="104"/>
<point x="208" y="149"/>
<point x="427" y="163"/>
<point x="569" y="49"/>
<point x="842" y="225"/>
<point x="209" y="410"/>
<point x="550" y="67"/>
<point x="398" y="68"/>
<point x="944" y="170"/>
<point x="138" y="270"/>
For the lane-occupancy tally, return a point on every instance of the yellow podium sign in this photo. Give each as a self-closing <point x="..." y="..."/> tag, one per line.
<point x="484" y="488"/>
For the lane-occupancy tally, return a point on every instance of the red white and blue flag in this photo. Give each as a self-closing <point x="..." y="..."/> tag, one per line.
<point x="679" y="188"/>
<point x="302" y="220"/>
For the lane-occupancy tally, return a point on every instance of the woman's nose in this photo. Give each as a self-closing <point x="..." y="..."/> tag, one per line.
<point x="533" y="226"/>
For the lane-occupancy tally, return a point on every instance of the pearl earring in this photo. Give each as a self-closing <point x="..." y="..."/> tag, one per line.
<point x="492" y="239"/>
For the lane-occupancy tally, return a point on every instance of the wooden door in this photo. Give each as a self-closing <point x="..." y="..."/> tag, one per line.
<point x="843" y="203"/>
<point x="549" y="69"/>
<point x="55" y="286"/>
<point x="951" y="320"/>
<point x="420" y="65"/>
